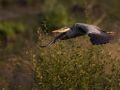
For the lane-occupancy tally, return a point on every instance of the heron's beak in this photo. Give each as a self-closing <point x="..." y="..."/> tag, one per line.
<point x="61" y="30"/>
<point x="111" y="33"/>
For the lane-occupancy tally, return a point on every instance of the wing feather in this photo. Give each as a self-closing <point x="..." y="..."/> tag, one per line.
<point x="97" y="39"/>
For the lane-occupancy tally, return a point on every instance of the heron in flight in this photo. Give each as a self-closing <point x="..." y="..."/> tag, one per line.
<point x="96" y="35"/>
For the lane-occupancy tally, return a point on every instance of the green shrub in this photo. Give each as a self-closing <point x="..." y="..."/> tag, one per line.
<point x="73" y="66"/>
<point x="55" y="18"/>
<point x="11" y="28"/>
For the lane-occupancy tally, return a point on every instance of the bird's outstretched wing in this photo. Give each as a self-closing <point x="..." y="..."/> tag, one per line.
<point x="101" y="38"/>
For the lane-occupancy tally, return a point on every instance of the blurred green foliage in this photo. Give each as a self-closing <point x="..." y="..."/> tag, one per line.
<point x="11" y="28"/>
<point x="9" y="31"/>
<point x="53" y="19"/>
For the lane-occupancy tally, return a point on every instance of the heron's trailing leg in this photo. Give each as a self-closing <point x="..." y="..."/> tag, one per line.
<point x="59" y="37"/>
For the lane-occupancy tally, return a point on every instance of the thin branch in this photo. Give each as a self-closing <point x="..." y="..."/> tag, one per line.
<point x="100" y="19"/>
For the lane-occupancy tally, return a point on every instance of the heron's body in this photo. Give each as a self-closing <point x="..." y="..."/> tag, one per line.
<point x="97" y="36"/>
<point x="80" y="29"/>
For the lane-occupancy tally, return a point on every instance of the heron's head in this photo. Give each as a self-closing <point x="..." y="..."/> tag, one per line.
<point x="61" y="30"/>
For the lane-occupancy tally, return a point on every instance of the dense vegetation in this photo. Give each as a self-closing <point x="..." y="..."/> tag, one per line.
<point x="68" y="65"/>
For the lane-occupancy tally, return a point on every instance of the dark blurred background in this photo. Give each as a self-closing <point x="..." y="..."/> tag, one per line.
<point x="26" y="24"/>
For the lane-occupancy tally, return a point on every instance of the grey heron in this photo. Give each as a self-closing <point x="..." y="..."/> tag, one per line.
<point x="96" y="35"/>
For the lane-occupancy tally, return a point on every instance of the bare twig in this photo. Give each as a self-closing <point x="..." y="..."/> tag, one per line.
<point x="100" y="19"/>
